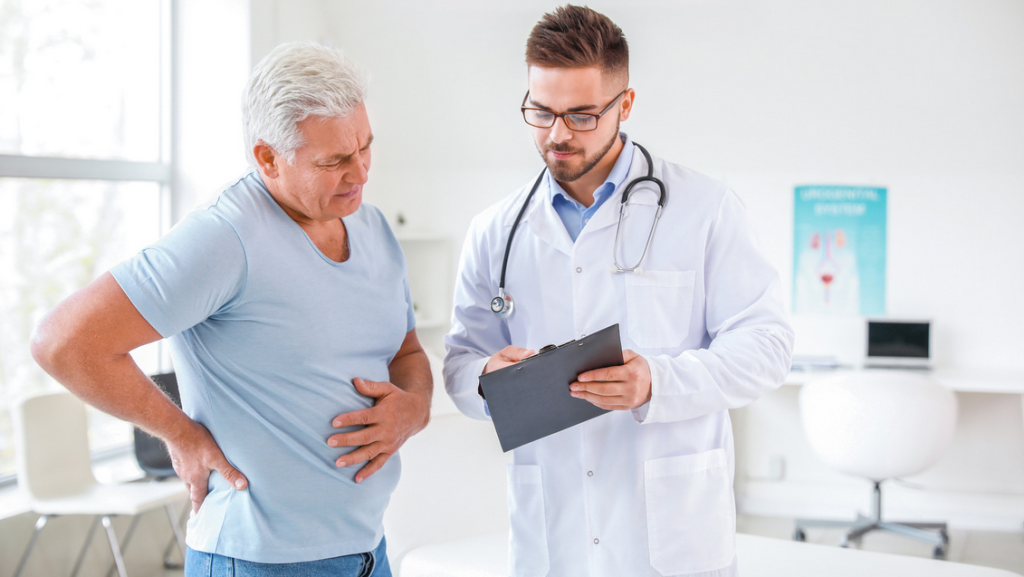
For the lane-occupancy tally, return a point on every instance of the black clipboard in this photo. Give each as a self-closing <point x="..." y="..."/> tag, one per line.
<point x="530" y="399"/>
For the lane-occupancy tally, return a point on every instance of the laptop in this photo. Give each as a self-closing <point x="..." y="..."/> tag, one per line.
<point x="901" y="344"/>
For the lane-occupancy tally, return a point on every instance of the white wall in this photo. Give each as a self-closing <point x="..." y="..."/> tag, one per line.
<point x="926" y="98"/>
<point x="922" y="97"/>
<point x="212" y="66"/>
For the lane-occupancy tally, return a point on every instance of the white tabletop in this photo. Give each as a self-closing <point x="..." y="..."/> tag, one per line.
<point x="764" y="557"/>
<point x="963" y="380"/>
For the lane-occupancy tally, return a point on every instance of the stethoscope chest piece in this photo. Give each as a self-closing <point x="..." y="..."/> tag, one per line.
<point x="502" y="305"/>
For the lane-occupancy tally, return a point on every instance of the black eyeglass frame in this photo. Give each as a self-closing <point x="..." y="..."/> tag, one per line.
<point x="555" y="115"/>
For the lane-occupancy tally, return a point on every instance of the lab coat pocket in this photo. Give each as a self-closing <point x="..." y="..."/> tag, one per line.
<point x="659" y="304"/>
<point x="691" y="513"/>
<point x="528" y="553"/>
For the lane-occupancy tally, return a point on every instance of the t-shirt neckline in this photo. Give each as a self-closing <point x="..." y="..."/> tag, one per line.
<point x="281" y="213"/>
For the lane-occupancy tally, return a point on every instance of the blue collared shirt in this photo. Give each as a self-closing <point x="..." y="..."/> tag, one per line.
<point x="574" y="215"/>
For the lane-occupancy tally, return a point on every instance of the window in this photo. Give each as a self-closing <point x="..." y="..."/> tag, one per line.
<point x="84" y="169"/>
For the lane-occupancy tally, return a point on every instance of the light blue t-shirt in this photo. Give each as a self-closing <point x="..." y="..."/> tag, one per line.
<point x="266" y="335"/>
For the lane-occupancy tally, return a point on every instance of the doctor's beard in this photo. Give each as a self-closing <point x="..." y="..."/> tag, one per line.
<point x="561" y="170"/>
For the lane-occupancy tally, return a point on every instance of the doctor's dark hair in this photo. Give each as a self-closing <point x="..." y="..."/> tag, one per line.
<point x="577" y="37"/>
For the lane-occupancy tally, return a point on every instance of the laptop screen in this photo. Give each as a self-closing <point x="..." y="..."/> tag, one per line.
<point x="898" y="339"/>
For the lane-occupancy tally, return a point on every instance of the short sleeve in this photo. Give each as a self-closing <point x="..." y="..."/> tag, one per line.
<point x="194" y="272"/>
<point x="408" y="301"/>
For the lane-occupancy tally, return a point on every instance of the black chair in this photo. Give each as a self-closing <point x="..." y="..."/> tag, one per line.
<point x="150" y="452"/>
<point x="153" y="458"/>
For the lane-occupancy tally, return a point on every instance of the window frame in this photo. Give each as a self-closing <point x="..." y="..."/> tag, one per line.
<point x="163" y="172"/>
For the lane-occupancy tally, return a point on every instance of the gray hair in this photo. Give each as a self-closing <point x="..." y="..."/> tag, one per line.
<point x="295" y="81"/>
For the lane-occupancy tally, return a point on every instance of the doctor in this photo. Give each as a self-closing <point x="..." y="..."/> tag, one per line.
<point x="647" y="488"/>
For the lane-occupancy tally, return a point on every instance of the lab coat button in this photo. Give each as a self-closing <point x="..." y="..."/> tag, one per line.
<point x="590" y="473"/>
<point x="578" y="269"/>
<point x="596" y="541"/>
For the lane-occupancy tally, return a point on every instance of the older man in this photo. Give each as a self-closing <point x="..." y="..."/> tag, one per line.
<point x="291" y="327"/>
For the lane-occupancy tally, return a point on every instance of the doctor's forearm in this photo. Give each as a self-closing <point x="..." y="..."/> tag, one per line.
<point x="462" y="380"/>
<point x="734" y="372"/>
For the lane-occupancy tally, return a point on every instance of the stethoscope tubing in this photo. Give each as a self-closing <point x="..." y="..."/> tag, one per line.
<point x="506" y="300"/>
<point x="512" y="233"/>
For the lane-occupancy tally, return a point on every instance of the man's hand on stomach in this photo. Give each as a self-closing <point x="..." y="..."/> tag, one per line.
<point x="395" y="416"/>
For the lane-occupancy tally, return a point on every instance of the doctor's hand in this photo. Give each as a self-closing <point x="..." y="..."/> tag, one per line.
<point x="395" y="416"/>
<point x="509" y="355"/>
<point x="194" y="455"/>
<point x="616" y="388"/>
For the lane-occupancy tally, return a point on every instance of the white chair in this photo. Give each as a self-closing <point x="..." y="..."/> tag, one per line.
<point x="879" y="425"/>
<point x="55" y="471"/>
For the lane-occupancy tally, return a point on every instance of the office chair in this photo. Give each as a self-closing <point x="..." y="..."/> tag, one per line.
<point x="55" y="471"/>
<point x="153" y="458"/>
<point x="879" y="425"/>
<point x="150" y="452"/>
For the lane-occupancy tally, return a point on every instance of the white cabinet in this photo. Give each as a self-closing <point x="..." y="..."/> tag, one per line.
<point x="429" y="261"/>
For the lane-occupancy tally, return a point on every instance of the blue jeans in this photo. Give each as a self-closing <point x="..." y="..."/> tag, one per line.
<point x="371" y="564"/>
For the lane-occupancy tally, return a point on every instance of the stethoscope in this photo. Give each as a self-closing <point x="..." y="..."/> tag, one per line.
<point x="503" y="304"/>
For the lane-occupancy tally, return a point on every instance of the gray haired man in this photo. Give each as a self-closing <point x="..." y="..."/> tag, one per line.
<point x="292" y="331"/>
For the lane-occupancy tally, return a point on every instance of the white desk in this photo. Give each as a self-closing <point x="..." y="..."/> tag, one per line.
<point x="961" y="380"/>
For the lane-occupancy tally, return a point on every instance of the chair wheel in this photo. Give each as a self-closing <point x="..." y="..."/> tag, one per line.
<point x="799" y="535"/>
<point x="939" y="552"/>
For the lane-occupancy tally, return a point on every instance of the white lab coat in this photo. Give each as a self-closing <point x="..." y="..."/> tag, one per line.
<point x="647" y="492"/>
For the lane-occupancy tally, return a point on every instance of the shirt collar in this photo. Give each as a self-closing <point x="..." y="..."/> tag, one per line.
<point x="618" y="174"/>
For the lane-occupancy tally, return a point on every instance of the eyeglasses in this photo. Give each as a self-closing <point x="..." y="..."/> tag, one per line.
<point x="577" y="121"/>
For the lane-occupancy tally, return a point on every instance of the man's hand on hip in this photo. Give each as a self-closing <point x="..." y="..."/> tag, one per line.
<point x="194" y="454"/>
<point x="395" y="417"/>
<point x="616" y="388"/>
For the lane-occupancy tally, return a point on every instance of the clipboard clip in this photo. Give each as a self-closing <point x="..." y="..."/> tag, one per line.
<point x="547" y="348"/>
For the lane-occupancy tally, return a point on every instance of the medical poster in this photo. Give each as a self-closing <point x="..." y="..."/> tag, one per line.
<point x="839" y="250"/>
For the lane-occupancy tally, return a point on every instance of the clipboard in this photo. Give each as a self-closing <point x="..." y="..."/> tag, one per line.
<point x="530" y="399"/>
